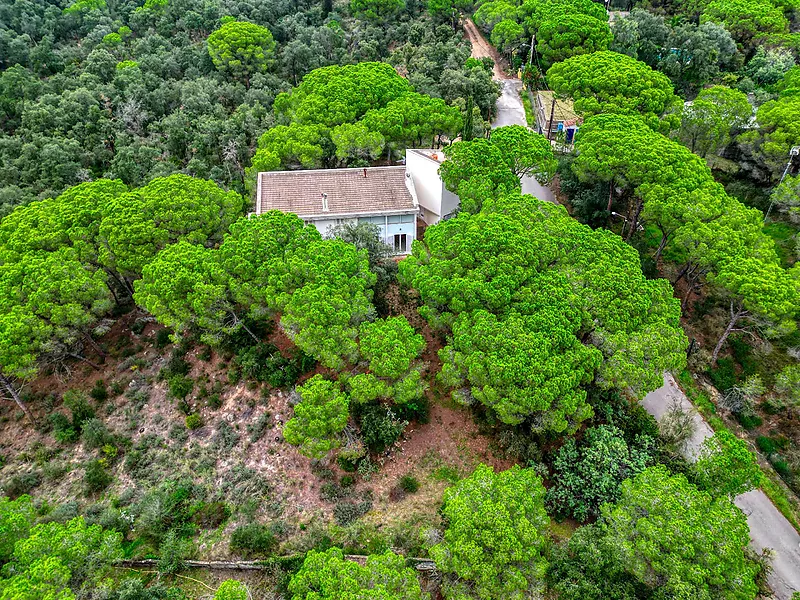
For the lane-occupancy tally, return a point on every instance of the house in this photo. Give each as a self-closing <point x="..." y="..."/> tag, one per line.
<point x="556" y="114"/>
<point x="436" y="202"/>
<point x="325" y="198"/>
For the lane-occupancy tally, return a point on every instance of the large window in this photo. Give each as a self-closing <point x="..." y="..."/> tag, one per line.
<point x="400" y="243"/>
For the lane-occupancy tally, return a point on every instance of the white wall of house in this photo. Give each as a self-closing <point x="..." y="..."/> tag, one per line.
<point x="434" y="200"/>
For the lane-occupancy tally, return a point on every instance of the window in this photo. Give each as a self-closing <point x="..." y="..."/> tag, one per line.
<point x="407" y="218"/>
<point x="394" y="219"/>
<point x="400" y="243"/>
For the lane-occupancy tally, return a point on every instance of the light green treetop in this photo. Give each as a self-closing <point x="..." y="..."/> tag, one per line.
<point x="319" y="417"/>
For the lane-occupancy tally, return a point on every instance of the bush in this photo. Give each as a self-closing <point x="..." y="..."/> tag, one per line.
<point x="253" y="539"/>
<point x="749" y="421"/>
<point x="409" y="484"/>
<point x="194" y="421"/>
<point x="226" y="437"/>
<point x="96" y="434"/>
<point x="163" y="338"/>
<point x="96" y="478"/>
<point x="19" y="485"/>
<point x="180" y="386"/>
<point x="210" y="515"/>
<point x="723" y="376"/>
<point x="346" y="513"/>
<point x="766" y="444"/>
<point x="782" y="468"/>
<point x="347" y="481"/>
<point x="261" y="425"/>
<point x="62" y="428"/>
<point x="380" y="428"/>
<point x="172" y="553"/>
<point x="214" y="401"/>
<point x="79" y="407"/>
<point x="99" y="391"/>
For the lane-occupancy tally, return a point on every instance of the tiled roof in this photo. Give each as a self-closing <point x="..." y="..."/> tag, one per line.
<point x="348" y="191"/>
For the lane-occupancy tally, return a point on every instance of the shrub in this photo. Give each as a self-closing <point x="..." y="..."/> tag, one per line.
<point x="232" y="590"/>
<point x="726" y="466"/>
<point x="210" y="515"/>
<point x="19" y="485"/>
<point x="180" y="386"/>
<point x="749" y="421"/>
<point x="347" y="481"/>
<point x="63" y="430"/>
<point x="214" y="401"/>
<point x="766" y="445"/>
<point x="261" y="425"/>
<point x="205" y="354"/>
<point x="380" y="429"/>
<point x="163" y="338"/>
<point x="226" y="437"/>
<point x="79" y="407"/>
<point x="409" y="484"/>
<point x="99" y="391"/>
<point x="96" y="478"/>
<point x="176" y="365"/>
<point x="96" y="434"/>
<point x="194" y="421"/>
<point x="782" y="468"/>
<point x="346" y="513"/>
<point x="252" y="539"/>
<point x="723" y="376"/>
<point x="172" y="553"/>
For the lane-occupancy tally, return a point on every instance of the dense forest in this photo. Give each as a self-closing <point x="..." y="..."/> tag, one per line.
<point x="182" y="382"/>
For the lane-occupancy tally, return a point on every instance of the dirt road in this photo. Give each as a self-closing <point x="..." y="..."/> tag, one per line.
<point x="481" y="48"/>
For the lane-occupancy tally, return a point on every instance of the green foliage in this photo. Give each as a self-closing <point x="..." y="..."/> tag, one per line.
<point x="95" y="477"/>
<point x="319" y="417"/>
<point x="571" y="35"/>
<point x="589" y="474"/>
<point x="520" y="285"/>
<point x="409" y="484"/>
<point x="242" y="49"/>
<point x="232" y="590"/>
<point x="194" y="421"/>
<point x="380" y="428"/>
<point x="495" y="537"/>
<point x="253" y="539"/>
<point x="21" y="484"/>
<point x="95" y="434"/>
<point x="726" y="466"/>
<point x="173" y="550"/>
<point x="328" y="576"/>
<point x="365" y="387"/>
<point x="713" y="118"/>
<point x="609" y="82"/>
<point x="180" y="386"/>
<point x="390" y="345"/>
<point x="376" y="9"/>
<point x="476" y="171"/>
<point x="526" y="153"/>
<point x="746" y="19"/>
<point x="16" y="519"/>
<point x="705" y="539"/>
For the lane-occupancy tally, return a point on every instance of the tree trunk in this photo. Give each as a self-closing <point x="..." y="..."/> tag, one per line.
<point x="661" y="245"/>
<point x="247" y="329"/>
<point x="735" y="317"/>
<point x="681" y="273"/>
<point x="635" y="220"/>
<point x="94" y="345"/>
<point x="84" y="359"/>
<point x="12" y="392"/>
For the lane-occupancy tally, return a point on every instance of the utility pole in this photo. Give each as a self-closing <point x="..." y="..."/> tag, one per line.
<point x="792" y="153"/>
<point x="530" y="54"/>
<point x="552" y="112"/>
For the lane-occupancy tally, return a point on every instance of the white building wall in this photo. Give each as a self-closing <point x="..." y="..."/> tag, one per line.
<point x="425" y="173"/>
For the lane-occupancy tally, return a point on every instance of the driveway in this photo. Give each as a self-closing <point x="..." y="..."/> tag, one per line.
<point x="768" y="527"/>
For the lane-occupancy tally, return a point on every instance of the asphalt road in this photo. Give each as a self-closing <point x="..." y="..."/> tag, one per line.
<point x="511" y="112"/>
<point x="768" y="527"/>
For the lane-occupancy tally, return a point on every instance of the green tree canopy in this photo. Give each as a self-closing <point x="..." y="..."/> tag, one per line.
<point x="609" y="82"/>
<point x="493" y="545"/>
<point x="319" y="417"/>
<point x="16" y="519"/>
<point x="476" y="170"/>
<point x="778" y="131"/>
<point x="713" y="118"/>
<point x="726" y="466"/>
<point x="569" y="35"/>
<point x="376" y="9"/>
<point x="231" y="590"/>
<point x="507" y="35"/>
<point x="334" y="95"/>
<point x="329" y="576"/>
<point x="535" y="12"/>
<point x="137" y="225"/>
<point x="241" y="48"/>
<point x="746" y="19"/>
<point x="672" y="537"/>
<point x="525" y="152"/>
<point x="520" y="286"/>
<point x="390" y="345"/>
<point x="588" y="474"/>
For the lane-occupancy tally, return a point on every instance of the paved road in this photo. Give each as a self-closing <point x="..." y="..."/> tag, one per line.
<point x="768" y="527"/>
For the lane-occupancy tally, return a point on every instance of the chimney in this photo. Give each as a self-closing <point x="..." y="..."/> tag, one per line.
<point x="324" y="202"/>
<point x="365" y="172"/>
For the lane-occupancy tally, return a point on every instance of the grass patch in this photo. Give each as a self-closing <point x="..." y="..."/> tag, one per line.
<point x="530" y="117"/>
